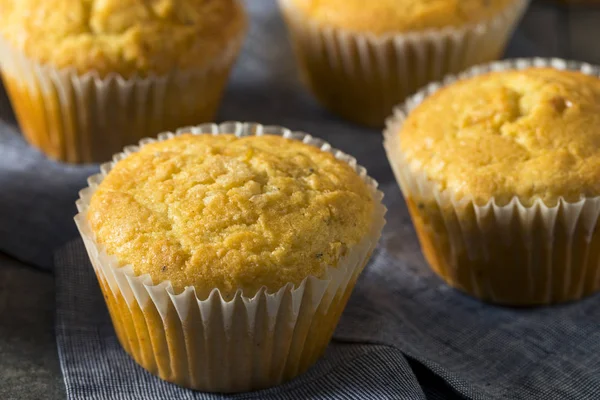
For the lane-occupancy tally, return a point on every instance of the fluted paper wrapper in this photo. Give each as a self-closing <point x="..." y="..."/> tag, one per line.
<point x="87" y="118"/>
<point x="361" y="76"/>
<point x="215" y="344"/>
<point x="511" y="254"/>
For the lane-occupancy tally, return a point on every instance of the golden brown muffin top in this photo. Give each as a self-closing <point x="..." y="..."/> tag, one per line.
<point x="230" y="213"/>
<point x="533" y="133"/>
<point x="123" y="36"/>
<point x="399" y="16"/>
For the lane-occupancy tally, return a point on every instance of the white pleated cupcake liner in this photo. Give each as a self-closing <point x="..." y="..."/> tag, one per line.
<point x="362" y="76"/>
<point x="87" y="118"/>
<point x="558" y="243"/>
<point x="215" y="344"/>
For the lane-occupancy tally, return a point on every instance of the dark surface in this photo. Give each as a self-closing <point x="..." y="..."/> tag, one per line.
<point x="29" y="367"/>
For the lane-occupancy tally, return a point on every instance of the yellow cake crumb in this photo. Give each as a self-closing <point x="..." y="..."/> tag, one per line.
<point x="531" y="134"/>
<point x="399" y="16"/>
<point x="230" y="213"/>
<point x="127" y="37"/>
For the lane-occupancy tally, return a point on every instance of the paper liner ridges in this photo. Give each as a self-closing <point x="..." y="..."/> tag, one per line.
<point x="362" y="76"/>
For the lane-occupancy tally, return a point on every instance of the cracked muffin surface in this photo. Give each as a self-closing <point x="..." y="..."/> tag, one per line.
<point x="230" y="213"/>
<point x="396" y="16"/>
<point x="531" y="134"/>
<point x="128" y="37"/>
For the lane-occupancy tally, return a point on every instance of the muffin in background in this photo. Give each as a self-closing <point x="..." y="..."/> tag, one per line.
<point x="226" y="254"/>
<point x="361" y="58"/>
<point x="86" y="78"/>
<point x="501" y="175"/>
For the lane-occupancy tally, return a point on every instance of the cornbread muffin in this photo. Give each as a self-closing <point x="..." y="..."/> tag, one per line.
<point x="226" y="260"/>
<point x="530" y="134"/>
<point x="127" y="37"/>
<point x="511" y="163"/>
<point x="362" y="58"/>
<point x="145" y="66"/>
<point x="396" y="16"/>
<point x="229" y="213"/>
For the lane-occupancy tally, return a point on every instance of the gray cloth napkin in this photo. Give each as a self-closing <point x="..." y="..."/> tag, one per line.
<point x="404" y="334"/>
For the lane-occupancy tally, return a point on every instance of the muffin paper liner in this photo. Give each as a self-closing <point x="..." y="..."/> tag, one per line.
<point x="361" y="76"/>
<point x="512" y="254"/>
<point x="87" y="118"/>
<point x="207" y="342"/>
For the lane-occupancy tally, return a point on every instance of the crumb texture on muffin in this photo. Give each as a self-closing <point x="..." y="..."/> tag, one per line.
<point x="230" y="213"/>
<point x="127" y="37"/>
<point x="398" y="16"/>
<point x="531" y="134"/>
